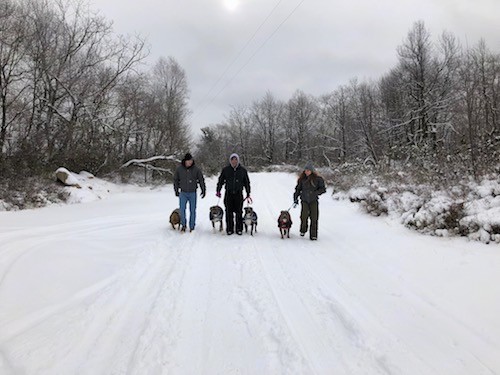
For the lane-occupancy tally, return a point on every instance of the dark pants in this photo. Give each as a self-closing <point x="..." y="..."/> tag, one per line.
<point x="234" y="207"/>
<point x="309" y="211"/>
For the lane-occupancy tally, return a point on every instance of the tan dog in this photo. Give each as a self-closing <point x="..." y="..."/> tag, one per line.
<point x="285" y="223"/>
<point x="175" y="218"/>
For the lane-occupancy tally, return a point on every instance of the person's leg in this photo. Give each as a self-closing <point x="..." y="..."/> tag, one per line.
<point x="192" y="210"/>
<point x="314" y="212"/>
<point x="239" y="212"/>
<point x="304" y="216"/>
<point x="182" y="207"/>
<point x="229" y="203"/>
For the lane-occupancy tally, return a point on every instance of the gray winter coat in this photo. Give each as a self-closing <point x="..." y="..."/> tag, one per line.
<point x="187" y="179"/>
<point x="309" y="188"/>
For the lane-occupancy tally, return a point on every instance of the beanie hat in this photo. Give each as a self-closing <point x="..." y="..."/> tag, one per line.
<point x="188" y="156"/>
<point x="234" y="156"/>
<point x="309" y="166"/>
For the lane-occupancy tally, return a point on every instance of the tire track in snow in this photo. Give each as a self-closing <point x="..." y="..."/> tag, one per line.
<point x="99" y="319"/>
<point x="262" y="314"/>
<point x="19" y="244"/>
<point x="341" y="333"/>
<point x="381" y="286"/>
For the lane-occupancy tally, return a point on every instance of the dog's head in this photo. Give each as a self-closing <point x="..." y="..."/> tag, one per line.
<point x="216" y="213"/>
<point x="248" y="212"/>
<point x="285" y="220"/>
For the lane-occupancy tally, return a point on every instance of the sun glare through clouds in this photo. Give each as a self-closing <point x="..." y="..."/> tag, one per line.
<point x="231" y="5"/>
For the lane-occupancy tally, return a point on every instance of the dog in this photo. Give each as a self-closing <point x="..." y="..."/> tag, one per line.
<point x="285" y="223"/>
<point x="175" y="218"/>
<point x="250" y="220"/>
<point x="216" y="214"/>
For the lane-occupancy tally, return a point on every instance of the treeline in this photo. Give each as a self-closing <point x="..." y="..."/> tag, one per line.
<point x="436" y="111"/>
<point x="73" y="93"/>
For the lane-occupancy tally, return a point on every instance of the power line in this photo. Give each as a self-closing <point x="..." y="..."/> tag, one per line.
<point x="250" y="58"/>
<point x="240" y="52"/>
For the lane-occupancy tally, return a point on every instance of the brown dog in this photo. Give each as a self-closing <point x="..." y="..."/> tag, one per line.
<point x="175" y="218"/>
<point x="285" y="223"/>
<point x="216" y="214"/>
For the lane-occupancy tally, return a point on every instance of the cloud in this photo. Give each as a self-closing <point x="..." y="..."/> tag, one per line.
<point x="315" y="48"/>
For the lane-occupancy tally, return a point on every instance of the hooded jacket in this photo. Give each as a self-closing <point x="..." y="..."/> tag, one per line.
<point x="187" y="179"/>
<point x="309" y="188"/>
<point x="235" y="179"/>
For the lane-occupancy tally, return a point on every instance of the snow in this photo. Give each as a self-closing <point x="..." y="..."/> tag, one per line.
<point x="107" y="287"/>
<point x="469" y="209"/>
<point x="71" y="178"/>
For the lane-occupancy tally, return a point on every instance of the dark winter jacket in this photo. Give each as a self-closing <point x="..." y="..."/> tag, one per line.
<point x="309" y="188"/>
<point x="235" y="179"/>
<point x="188" y="179"/>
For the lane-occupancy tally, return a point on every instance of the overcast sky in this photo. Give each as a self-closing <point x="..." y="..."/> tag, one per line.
<point x="234" y="51"/>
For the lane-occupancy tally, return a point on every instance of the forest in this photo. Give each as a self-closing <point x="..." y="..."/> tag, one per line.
<point x="73" y="93"/>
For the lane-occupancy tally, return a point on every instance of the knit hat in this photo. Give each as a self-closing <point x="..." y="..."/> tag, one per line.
<point x="309" y="166"/>
<point x="188" y="156"/>
<point x="234" y="156"/>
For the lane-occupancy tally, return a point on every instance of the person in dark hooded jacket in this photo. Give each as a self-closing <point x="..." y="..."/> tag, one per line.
<point x="235" y="178"/>
<point x="187" y="177"/>
<point x="309" y="187"/>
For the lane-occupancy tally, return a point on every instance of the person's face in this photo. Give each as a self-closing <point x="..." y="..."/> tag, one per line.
<point x="234" y="162"/>
<point x="307" y="172"/>
<point x="189" y="163"/>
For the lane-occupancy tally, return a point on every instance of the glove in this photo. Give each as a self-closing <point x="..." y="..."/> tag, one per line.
<point x="248" y="198"/>
<point x="217" y="194"/>
<point x="202" y="194"/>
<point x="177" y="193"/>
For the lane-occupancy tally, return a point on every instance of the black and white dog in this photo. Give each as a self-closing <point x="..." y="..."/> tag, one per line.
<point x="216" y="215"/>
<point x="250" y="220"/>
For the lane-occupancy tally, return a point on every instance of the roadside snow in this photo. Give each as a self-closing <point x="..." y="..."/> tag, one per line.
<point x="470" y="210"/>
<point x="93" y="188"/>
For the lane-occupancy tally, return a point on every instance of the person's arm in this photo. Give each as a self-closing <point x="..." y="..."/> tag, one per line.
<point x="221" y="181"/>
<point x="298" y="190"/>
<point x="321" y="186"/>
<point x="247" y="183"/>
<point x="176" y="182"/>
<point x="201" y="181"/>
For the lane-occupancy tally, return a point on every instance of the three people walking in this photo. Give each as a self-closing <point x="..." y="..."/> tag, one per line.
<point x="234" y="177"/>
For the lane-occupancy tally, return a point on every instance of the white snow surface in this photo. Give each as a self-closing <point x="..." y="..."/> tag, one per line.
<point x="107" y="287"/>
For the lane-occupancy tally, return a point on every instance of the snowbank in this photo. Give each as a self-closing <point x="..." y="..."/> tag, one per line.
<point x="471" y="209"/>
<point x="92" y="188"/>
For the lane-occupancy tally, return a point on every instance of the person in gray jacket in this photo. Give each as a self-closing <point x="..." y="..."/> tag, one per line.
<point x="187" y="177"/>
<point x="309" y="187"/>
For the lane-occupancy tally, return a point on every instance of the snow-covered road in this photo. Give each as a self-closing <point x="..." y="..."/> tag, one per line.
<point x="108" y="288"/>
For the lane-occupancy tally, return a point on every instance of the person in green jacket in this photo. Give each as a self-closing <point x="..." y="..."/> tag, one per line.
<point x="309" y="186"/>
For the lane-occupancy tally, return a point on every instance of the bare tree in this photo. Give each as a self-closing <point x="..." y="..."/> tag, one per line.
<point x="367" y="115"/>
<point x="239" y="125"/>
<point x="13" y="36"/>
<point x="267" y="114"/>
<point x="303" y="112"/>
<point x="170" y="107"/>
